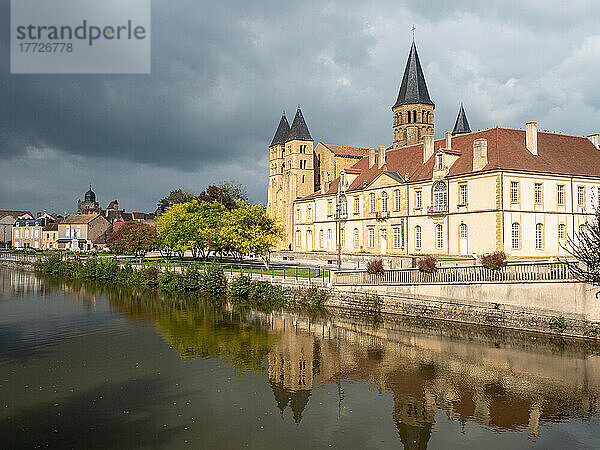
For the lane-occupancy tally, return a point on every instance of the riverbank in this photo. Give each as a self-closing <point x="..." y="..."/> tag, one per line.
<point x="566" y="308"/>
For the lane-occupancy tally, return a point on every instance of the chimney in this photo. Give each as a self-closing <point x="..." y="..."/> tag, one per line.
<point x="371" y="157"/>
<point x="448" y="140"/>
<point x="381" y="157"/>
<point x="39" y="214"/>
<point x="480" y="159"/>
<point x="531" y="139"/>
<point x="427" y="147"/>
<point x="595" y="139"/>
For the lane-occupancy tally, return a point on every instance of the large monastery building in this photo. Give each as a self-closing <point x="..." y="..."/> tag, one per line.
<point x="520" y="191"/>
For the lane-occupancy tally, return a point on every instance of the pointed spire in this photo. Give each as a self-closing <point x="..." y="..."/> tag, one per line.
<point x="462" y="124"/>
<point x="299" y="129"/>
<point x="282" y="131"/>
<point x="413" y="88"/>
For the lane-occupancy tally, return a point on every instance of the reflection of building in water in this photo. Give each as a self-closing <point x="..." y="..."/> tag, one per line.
<point x="295" y="362"/>
<point x="19" y="283"/>
<point x="497" y="384"/>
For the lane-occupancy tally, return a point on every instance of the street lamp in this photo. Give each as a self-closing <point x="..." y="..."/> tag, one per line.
<point x="341" y="210"/>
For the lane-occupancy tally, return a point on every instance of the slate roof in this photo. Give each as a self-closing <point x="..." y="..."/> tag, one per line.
<point x="283" y="130"/>
<point x="558" y="154"/>
<point x="462" y="124"/>
<point x="413" y="88"/>
<point x="347" y="151"/>
<point x="299" y="130"/>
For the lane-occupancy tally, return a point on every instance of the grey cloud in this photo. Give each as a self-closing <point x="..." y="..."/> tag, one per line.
<point x="222" y="73"/>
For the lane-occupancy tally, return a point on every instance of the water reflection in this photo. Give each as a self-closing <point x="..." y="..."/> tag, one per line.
<point x="436" y="373"/>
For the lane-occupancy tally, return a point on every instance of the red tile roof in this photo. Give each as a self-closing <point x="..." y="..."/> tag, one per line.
<point x="345" y="150"/>
<point x="557" y="154"/>
<point x="15" y="214"/>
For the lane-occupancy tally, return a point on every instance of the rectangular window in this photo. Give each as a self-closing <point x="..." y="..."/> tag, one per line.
<point x="16" y="233"/>
<point x="539" y="236"/>
<point x="37" y="233"/>
<point x="372" y="202"/>
<point x="330" y="208"/>
<point x="309" y="213"/>
<point x="561" y="233"/>
<point x="538" y="196"/>
<point x="417" y="237"/>
<point x="371" y="237"/>
<point x="298" y="215"/>
<point x="580" y="196"/>
<point x="321" y="243"/>
<point x="515" y="235"/>
<point x="356" y="238"/>
<point x="397" y="200"/>
<point x="463" y="195"/>
<point x="439" y="236"/>
<point x="514" y="192"/>
<point x="560" y="194"/>
<point x="384" y="202"/>
<point x="26" y="232"/>
<point x="356" y="205"/>
<point x="342" y="238"/>
<point x="397" y="237"/>
<point x="418" y="199"/>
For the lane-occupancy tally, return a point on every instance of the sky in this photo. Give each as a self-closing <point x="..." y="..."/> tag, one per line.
<point x="223" y="72"/>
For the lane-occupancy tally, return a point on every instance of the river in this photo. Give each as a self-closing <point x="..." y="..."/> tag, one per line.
<point x="86" y="366"/>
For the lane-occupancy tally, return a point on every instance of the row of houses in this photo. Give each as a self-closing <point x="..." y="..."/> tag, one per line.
<point x="87" y="230"/>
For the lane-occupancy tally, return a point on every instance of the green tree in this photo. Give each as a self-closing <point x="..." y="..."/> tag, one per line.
<point x="191" y="226"/>
<point x="248" y="229"/>
<point x="134" y="238"/>
<point x="226" y="194"/>
<point x="175" y="197"/>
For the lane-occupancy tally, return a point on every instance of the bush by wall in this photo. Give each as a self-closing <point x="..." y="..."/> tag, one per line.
<point x="493" y="261"/>
<point x="427" y="264"/>
<point x="375" y="267"/>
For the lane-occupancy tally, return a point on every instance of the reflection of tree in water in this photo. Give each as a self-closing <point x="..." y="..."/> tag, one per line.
<point x="205" y="333"/>
<point x="500" y="379"/>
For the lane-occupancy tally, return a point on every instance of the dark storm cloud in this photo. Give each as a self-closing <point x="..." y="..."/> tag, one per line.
<point x="222" y="72"/>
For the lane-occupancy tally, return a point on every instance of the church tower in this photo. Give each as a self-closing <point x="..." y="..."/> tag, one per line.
<point x="291" y="165"/>
<point x="462" y="124"/>
<point x="413" y="110"/>
<point x="276" y="168"/>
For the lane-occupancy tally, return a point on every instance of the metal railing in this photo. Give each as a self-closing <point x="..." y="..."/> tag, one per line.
<point x="275" y="272"/>
<point x="554" y="271"/>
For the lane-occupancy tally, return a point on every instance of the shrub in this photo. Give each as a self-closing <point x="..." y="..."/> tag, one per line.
<point x="374" y="303"/>
<point x="240" y="287"/>
<point x="146" y="277"/>
<point x="171" y="282"/>
<point x="493" y="261"/>
<point x="315" y="297"/>
<point x="266" y="295"/>
<point x="559" y="323"/>
<point x="427" y="264"/>
<point x="213" y="281"/>
<point x="193" y="277"/>
<point x="375" y="267"/>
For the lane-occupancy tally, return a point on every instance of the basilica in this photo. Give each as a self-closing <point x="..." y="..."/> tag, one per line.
<point x="523" y="191"/>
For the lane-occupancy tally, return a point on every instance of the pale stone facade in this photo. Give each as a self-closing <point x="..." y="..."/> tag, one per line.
<point x="521" y="191"/>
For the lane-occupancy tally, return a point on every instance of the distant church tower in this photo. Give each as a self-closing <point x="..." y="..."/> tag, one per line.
<point x="462" y="124"/>
<point x="413" y="110"/>
<point x="291" y="171"/>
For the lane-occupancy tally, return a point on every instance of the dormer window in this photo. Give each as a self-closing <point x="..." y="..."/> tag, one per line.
<point x="439" y="161"/>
